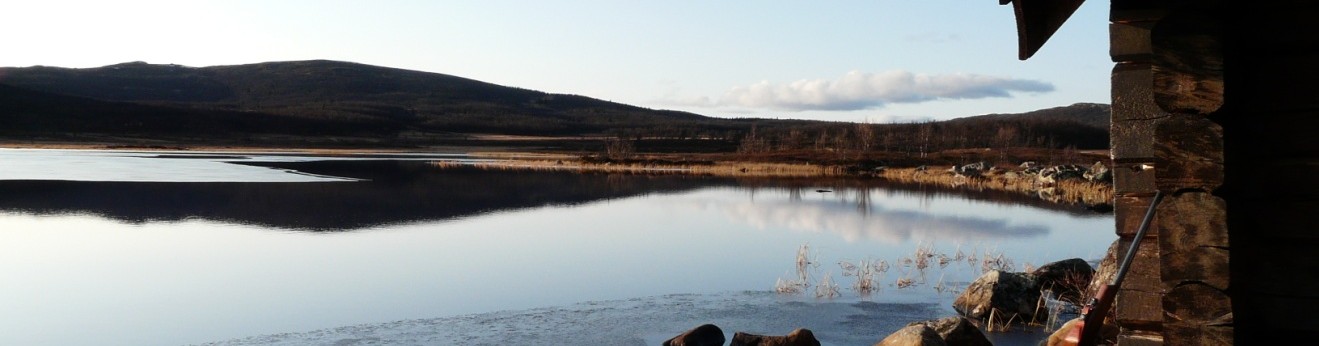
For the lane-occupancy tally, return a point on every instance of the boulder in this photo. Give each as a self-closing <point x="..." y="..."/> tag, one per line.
<point x="1067" y="278"/>
<point x="970" y="170"/>
<point x="1099" y="173"/>
<point x="1009" y="296"/>
<point x="702" y="335"/>
<point x="956" y="331"/>
<point x="798" y="337"/>
<point x="913" y="335"/>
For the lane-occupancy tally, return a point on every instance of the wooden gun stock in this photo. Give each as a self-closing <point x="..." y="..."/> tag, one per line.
<point x="1086" y="331"/>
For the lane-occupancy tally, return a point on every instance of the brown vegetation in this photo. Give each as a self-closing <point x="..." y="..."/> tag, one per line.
<point x="1066" y="191"/>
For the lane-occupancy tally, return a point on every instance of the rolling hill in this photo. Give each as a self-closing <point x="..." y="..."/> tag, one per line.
<point x="321" y="102"/>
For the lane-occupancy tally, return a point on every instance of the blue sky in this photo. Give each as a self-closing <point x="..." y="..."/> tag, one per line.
<point x="878" y="60"/>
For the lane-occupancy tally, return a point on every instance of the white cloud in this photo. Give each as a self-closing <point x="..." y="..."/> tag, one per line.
<point x="863" y="90"/>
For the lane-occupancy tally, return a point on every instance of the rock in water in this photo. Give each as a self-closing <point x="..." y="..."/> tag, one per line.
<point x="702" y="335"/>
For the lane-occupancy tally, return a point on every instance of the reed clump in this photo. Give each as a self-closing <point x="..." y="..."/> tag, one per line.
<point x="962" y="265"/>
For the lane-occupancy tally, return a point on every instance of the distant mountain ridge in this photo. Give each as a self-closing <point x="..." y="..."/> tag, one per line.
<point x="328" y="101"/>
<point x="345" y="91"/>
<point x="1092" y="114"/>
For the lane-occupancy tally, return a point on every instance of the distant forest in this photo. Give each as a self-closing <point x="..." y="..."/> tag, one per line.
<point x="331" y="103"/>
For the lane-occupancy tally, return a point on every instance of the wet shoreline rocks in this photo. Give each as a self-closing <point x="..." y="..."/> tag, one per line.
<point x="996" y="297"/>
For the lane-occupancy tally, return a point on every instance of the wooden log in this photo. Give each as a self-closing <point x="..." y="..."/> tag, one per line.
<point x="1198" y="333"/>
<point x="1193" y="240"/>
<point x="1196" y="302"/>
<point x="1187" y="62"/>
<point x="1188" y="153"/>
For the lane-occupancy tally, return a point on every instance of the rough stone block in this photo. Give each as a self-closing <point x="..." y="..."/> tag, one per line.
<point x="1132" y="139"/>
<point x="1134" y="113"/>
<point x="1144" y="272"/>
<point x="1188" y="153"/>
<point x="1139" y="309"/>
<point x="1140" y="299"/>
<point x="1128" y="211"/>
<point x="1131" y="178"/>
<point x="1133" y="93"/>
<point x="1129" y="42"/>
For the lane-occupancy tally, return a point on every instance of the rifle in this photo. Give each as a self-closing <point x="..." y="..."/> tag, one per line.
<point x="1086" y="331"/>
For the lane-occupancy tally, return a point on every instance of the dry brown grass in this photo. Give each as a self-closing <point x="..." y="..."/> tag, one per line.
<point x="724" y="168"/>
<point x="1066" y="191"/>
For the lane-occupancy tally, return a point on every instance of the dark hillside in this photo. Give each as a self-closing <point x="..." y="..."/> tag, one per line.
<point x="339" y="91"/>
<point x="38" y="115"/>
<point x="322" y="101"/>
<point x="1089" y="114"/>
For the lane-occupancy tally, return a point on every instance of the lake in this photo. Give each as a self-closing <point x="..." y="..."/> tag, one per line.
<point x="101" y="247"/>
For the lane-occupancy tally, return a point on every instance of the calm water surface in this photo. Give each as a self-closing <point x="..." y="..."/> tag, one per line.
<point x="150" y="248"/>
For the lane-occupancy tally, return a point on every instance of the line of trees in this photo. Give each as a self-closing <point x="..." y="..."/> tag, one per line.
<point x="926" y="137"/>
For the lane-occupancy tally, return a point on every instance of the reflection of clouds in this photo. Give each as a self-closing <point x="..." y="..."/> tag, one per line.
<point x="871" y="222"/>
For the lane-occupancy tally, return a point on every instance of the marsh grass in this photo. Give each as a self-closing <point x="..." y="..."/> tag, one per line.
<point x="1065" y="191"/>
<point x="868" y="274"/>
<point x="805" y="263"/>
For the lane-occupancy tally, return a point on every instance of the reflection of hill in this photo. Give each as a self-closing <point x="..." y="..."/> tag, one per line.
<point x="397" y="192"/>
<point x="991" y="196"/>
<point x="863" y="220"/>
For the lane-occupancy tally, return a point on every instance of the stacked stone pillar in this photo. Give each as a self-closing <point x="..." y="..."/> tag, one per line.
<point x="1167" y="91"/>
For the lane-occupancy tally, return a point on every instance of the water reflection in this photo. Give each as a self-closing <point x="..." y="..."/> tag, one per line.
<point x="94" y="257"/>
<point x="405" y="191"/>
<point x="855" y="215"/>
<point x="392" y="192"/>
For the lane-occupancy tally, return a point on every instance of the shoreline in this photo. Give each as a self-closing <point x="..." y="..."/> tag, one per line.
<point x="1093" y="195"/>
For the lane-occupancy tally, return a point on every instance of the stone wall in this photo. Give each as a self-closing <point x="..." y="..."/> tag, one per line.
<point x="1216" y="97"/>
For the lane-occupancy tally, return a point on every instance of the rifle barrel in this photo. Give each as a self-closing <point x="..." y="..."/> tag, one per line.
<point x="1135" y="242"/>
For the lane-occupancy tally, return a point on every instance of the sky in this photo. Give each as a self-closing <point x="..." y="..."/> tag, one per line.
<point x="875" y="61"/>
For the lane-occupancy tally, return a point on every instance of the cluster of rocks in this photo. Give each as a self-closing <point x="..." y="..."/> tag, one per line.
<point x="711" y="335"/>
<point x="1049" y="175"/>
<point x="1012" y="297"/>
<point x="939" y="332"/>
<point x="1044" y="175"/>
<point x="1016" y="296"/>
